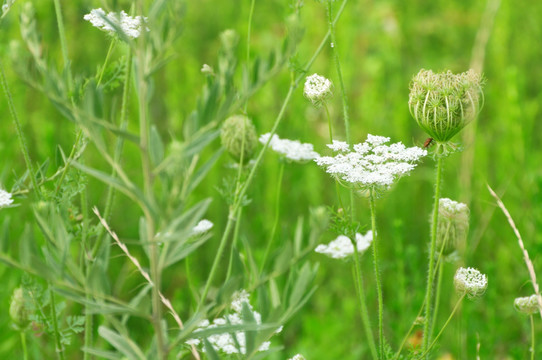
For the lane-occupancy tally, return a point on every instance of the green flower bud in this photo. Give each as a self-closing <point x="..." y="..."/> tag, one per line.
<point x="452" y="226"/>
<point x="527" y="305"/>
<point x="444" y="103"/>
<point x="238" y="136"/>
<point x="18" y="310"/>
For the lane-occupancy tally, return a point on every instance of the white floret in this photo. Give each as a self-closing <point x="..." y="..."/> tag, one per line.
<point x="131" y="26"/>
<point x="292" y="150"/>
<point x="5" y="199"/>
<point x="342" y="247"/>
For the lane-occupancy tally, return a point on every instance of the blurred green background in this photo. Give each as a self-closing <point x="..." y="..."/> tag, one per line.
<point x="382" y="44"/>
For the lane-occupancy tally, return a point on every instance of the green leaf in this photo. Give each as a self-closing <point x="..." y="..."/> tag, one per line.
<point x="122" y="343"/>
<point x="156" y="147"/>
<point x="250" y="336"/>
<point x="210" y="350"/>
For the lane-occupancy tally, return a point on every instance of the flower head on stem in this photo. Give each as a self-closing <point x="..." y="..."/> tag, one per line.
<point x="470" y="281"/>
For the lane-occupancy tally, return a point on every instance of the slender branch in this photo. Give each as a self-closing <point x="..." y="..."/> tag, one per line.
<point x="377" y="274"/>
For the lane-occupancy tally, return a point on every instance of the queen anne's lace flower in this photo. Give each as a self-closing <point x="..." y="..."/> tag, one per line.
<point x="372" y="164"/>
<point x="5" y="199"/>
<point x="291" y="149"/>
<point x="317" y="89"/>
<point x="225" y="342"/>
<point x="298" y="357"/>
<point x="342" y="247"/>
<point x="470" y="281"/>
<point x="452" y="226"/>
<point x="203" y="226"/>
<point x="131" y="26"/>
<point x="527" y="305"/>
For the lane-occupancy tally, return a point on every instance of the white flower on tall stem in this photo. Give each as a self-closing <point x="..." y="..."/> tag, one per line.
<point x="372" y="164"/>
<point x="5" y="199"/>
<point x="317" y="89"/>
<point x="342" y="246"/>
<point x="292" y="150"/>
<point x="470" y="281"/>
<point x="111" y="22"/>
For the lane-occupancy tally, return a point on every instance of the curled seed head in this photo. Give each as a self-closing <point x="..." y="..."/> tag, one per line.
<point x="527" y="305"/>
<point x="452" y="226"/>
<point x="444" y="103"/>
<point x="238" y="136"/>
<point x="470" y="281"/>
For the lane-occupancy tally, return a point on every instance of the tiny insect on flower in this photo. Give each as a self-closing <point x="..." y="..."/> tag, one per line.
<point x="428" y="142"/>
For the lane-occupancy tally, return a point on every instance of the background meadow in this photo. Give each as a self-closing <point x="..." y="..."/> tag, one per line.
<point x="381" y="44"/>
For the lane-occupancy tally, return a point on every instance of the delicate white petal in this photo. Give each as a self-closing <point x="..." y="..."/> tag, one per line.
<point x="203" y="226"/>
<point x="131" y="26"/>
<point x="292" y="150"/>
<point x="342" y="247"/>
<point x="5" y="199"/>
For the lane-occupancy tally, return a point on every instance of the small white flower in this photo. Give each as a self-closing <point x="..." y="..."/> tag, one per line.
<point x="452" y="206"/>
<point x="528" y="305"/>
<point x="372" y="163"/>
<point x="202" y="227"/>
<point x="206" y="69"/>
<point x="342" y="247"/>
<point x="131" y="26"/>
<point x="470" y="281"/>
<point x="5" y="199"/>
<point x="317" y="89"/>
<point x="291" y="149"/>
<point x="298" y="357"/>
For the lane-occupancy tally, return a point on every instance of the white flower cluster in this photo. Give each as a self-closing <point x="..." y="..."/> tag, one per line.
<point x="225" y="342"/>
<point x="452" y="206"/>
<point x="202" y="227"/>
<point x="298" y="357"/>
<point x="342" y="247"/>
<point x="317" y="89"/>
<point x="470" y="281"/>
<point x="372" y="163"/>
<point x="528" y="305"/>
<point x="5" y="199"/>
<point x="131" y="26"/>
<point x="291" y="149"/>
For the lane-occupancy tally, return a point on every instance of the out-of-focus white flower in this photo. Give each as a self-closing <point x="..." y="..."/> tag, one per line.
<point x="225" y="342"/>
<point x="298" y="357"/>
<point x="291" y="149"/>
<point x="527" y="305"/>
<point x="372" y="164"/>
<point x="131" y="26"/>
<point x="5" y="199"/>
<point x="203" y="226"/>
<point x="317" y="89"/>
<point x="207" y="70"/>
<point x="470" y="281"/>
<point x="342" y="247"/>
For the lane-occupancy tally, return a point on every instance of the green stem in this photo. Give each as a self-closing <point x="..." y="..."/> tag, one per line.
<point x="234" y="242"/>
<point x="23" y="344"/>
<point x="249" y="31"/>
<point x="276" y="221"/>
<point x="329" y="123"/>
<point x="58" y="344"/>
<point x="18" y="128"/>
<point x="429" y="289"/>
<point x="377" y="273"/>
<point x="87" y="266"/>
<point x="102" y="71"/>
<point x="426" y="352"/>
<point x="63" y="46"/>
<point x="533" y="343"/>
<point x="437" y="299"/>
<point x="363" y="304"/>
<point x="339" y="71"/>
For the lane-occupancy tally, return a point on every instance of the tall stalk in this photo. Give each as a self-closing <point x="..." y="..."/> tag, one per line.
<point x="277" y="217"/>
<point x="377" y="273"/>
<point x="429" y="289"/>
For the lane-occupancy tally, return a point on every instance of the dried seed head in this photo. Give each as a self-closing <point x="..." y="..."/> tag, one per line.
<point x="18" y="310"/>
<point x="317" y="89"/>
<point x="443" y="103"/>
<point x="452" y="226"/>
<point x="527" y="305"/>
<point x="471" y="282"/>
<point x="238" y="135"/>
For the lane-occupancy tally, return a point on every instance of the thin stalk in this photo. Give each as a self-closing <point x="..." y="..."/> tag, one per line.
<point x="58" y="344"/>
<point x="249" y="31"/>
<point x="533" y="343"/>
<point x="102" y="71"/>
<point x="426" y="352"/>
<point x="87" y="265"/>
<point x="63" y="46"/>
<point x="429" y="289"/>
<point x="18" y="128"/>
<point x="437" y="299"/>
<point x="25" y="350"/>
<point x="377" y="273"/>
<point x="234" y="242"/>
<point x="277" y="213"/>
<point x="329" y="123"/>
<point x="363" y="304"/>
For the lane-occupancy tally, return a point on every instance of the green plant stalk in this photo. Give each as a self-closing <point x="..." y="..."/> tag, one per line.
<point x="23" y="345"/>
<point x="362" y="303"/>
<point x="377" y="273"/>
<point x="234" y="242"/>
<point x="109" y="51"/>
<point x="437" y="299"/>
<point x="18" y="128"/>
<point x="426" y="351"/>
<point x="429" y="289"/>
<point x="58" y="344"/>
<point x="329" y="123"/>
<point x="293" y="85"/>
<point x="63" y="46"/>
<point x="249" y="31"/>
<point x="86" y="264"/>
<point x="533" y="343"/>
<point x="277" y="214"/>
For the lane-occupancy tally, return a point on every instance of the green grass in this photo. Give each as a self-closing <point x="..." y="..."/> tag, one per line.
<point x="381" y="46"/>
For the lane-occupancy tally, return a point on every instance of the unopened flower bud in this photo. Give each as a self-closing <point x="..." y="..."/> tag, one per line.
<point x="443" y="103"/>
<point x="317" y="89"/>
<point x="471" y="282"/>
<point x="527" y="305"/>
<point x="452" y="226"/>
<point x="238" y="136"/>
<point x="18" y="310"/>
